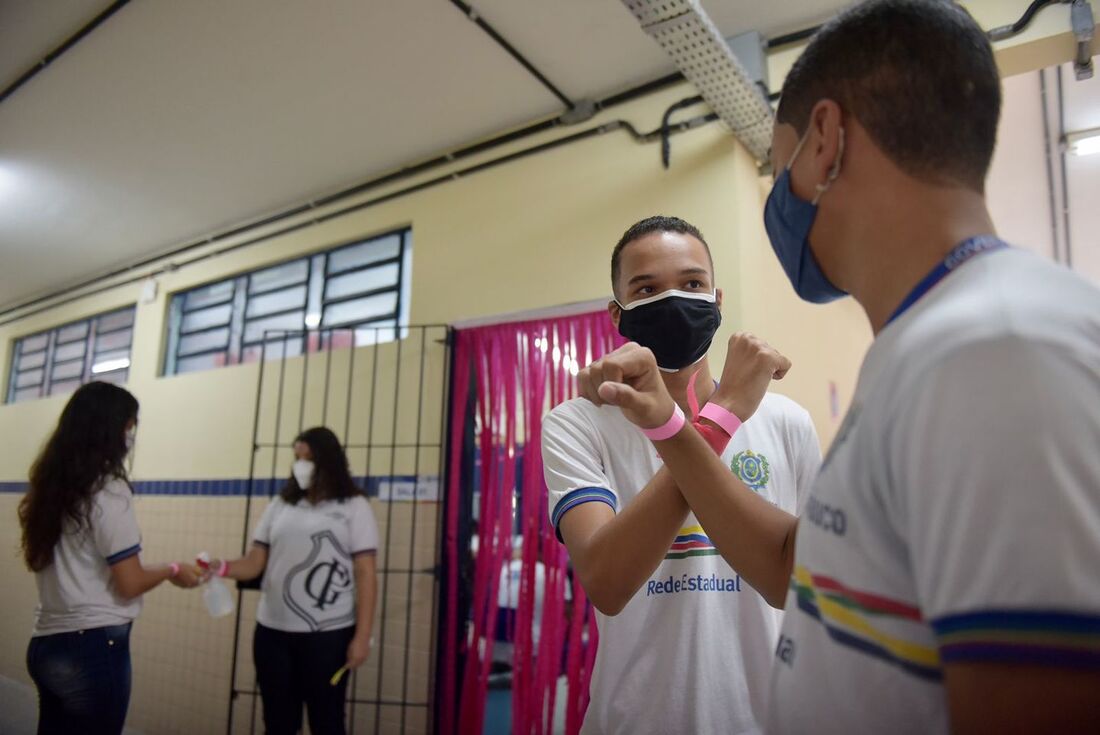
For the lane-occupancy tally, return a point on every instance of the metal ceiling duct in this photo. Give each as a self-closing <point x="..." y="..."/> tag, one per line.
<point x="686" y="32"/>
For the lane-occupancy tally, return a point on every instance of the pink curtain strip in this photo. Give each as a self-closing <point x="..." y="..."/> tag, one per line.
<point x="517" y="368"/>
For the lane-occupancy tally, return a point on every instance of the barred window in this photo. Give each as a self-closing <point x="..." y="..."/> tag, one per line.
<point x="362" y="285"/>
<point x="61" y="359"/>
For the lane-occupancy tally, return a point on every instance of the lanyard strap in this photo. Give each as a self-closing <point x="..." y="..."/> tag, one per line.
<point x="961" y="253"/>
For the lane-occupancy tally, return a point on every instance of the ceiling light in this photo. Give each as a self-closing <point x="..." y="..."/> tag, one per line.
<point x="1084" y="143"/>
<point x="313" y="320"/>
<point x="108" y="365"/>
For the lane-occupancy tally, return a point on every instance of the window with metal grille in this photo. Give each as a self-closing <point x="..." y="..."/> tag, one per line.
<point x="289" y="308"/>
<point x="61" y="359"/>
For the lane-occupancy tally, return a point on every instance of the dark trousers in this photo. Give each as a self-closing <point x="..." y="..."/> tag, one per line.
<point x="83" y="680"/>
<point x="293" y="669"/>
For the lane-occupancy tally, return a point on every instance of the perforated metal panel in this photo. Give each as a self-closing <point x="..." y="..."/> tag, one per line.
<point x="686" y="32"/>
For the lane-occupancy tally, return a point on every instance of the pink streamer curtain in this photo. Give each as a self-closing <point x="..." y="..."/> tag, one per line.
<point x="518" y="371"/>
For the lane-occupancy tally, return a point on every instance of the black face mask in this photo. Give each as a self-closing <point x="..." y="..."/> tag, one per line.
<point x="676" y="325"/>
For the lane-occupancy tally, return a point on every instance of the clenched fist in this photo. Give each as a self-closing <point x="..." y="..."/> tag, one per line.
<point x="751" y="365"/>
<point x="628" y="378"/>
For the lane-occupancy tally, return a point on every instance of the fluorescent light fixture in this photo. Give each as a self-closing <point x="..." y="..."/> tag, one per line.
<point x="108" y="365"/>
<point x="1084" y="142"/>
<point x="313" y="320"/>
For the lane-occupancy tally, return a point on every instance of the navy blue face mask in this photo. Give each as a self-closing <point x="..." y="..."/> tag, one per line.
<point x="788" y="220"/>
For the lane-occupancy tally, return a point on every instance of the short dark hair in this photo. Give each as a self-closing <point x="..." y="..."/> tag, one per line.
<point x="331" y="478"/>
<point x="656" y="223"/>
<point x="918" y="75"/>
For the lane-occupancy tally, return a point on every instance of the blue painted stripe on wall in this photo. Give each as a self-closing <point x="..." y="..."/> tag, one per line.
<point x="228" y="487"/>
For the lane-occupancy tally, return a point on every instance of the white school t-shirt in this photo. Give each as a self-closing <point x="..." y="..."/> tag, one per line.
<point x="75" y="592"/>
<point x="309" y="581"/>
<point x="692" y="650"/>
<point x="957" y="516"/>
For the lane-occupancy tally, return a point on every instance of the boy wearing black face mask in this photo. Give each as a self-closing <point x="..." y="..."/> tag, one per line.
<point x="685" y="644"/>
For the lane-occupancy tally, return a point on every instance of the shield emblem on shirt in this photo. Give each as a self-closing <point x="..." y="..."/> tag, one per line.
<point x="318" y="588"/>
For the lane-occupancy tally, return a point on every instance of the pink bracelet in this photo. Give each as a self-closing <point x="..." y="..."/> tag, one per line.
<point x="175" y="567"/>
<point x="223" y="569"/>
<point x="668" y="429"/>
<point x="728" y="421"/>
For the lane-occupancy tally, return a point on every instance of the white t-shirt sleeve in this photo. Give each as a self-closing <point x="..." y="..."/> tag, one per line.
<point x="996" y="487"/>
<point x="572" y="464"/>
<point x="114" y="526"/>
<point x="807" y="448"/>
<point x="363" y="527"/>
<point x="262" y="534"/>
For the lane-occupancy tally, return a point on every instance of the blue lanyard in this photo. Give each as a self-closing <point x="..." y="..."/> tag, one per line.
<point x="962" y="252"/>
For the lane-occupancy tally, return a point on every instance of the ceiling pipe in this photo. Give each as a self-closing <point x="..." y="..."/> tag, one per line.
<point x="700" y="51"/>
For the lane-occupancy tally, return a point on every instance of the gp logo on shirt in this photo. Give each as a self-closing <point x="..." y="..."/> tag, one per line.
<point x="317" y="589"/>
<point x="752" y="468"/>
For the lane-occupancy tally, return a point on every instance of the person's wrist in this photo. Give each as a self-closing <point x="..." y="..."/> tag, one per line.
<point x="660" y="430"/>
<point x="725" y="399"/>
<point x="173" y="570"/>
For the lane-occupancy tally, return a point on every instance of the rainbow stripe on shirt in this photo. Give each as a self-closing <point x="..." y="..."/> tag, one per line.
<point x="1052" y="637"/>
<point x="851" y="617"/>
<point x="691" y="541"/>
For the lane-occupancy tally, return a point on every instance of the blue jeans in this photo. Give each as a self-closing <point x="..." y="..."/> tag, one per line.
<point x="83" y="680"/>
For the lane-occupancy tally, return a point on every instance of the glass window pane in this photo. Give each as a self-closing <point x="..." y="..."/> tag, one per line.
<point x="200" y="362"/>
<point x="287" y="274"/>
<point x="35" y="343"/>
<point x="115" y="376"/>
<point x="25" y="394"/>
<point x="108" y="361"/>
<point x="67" y="386"/>
<point x="360" y="310"/>
<point x="70" y="351"/>
<point x="371" y="251"/>
<point x="215" y="293"/>
<point x="64" y="371"/>
<point x="72" y="332"/>
<point x="254" y="330"/>
<point x="115" y="320"/>
<point x="33" y="360"/>
<point x="31" y="377"/>
<point x="291" y="298"/>
<point x="338" y="287"/>
<point x="213" y="340"/>
<point x="113" y="341"/>
<point x="215" y="316"/>
<point x="275" y="348"/>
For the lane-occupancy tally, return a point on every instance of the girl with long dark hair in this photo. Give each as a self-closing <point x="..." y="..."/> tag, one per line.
<point x="315" y="545"/>
<point x="81" y="539"/>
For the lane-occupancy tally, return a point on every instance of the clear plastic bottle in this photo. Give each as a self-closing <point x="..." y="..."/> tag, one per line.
<point x="215" y="593"/>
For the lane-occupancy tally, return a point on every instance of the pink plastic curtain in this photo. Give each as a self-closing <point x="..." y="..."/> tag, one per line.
<point x="519" y="370"/>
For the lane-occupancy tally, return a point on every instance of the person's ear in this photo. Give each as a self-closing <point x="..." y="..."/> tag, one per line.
<point x="615" y="311"/>
<point x="824" y="146"/>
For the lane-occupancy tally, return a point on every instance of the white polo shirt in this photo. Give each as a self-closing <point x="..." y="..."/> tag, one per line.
<point x="957" y="516"/>
<point x="75" y="592"/>
<point x="691" y="652"/>
<point x="309" y="581"/>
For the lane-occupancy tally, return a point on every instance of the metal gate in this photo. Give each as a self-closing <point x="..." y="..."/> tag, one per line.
<point x="383" y="390"/>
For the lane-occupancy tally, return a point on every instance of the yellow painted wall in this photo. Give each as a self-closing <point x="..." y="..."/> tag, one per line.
<point x="531" y="234"/>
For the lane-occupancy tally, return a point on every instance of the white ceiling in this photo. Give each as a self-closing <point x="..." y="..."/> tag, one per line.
<point x="173" y="120"/>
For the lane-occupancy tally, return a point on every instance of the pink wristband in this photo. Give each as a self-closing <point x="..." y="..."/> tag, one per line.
<point x="668" y="429"/>
<point x="729" y="423"/>
<point x="175" y="567"/>
<point x="223" y="569"/>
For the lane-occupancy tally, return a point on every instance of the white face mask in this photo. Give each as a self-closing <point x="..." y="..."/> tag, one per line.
<point x="130" y="437"/>
<point x="303" y="473"/>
